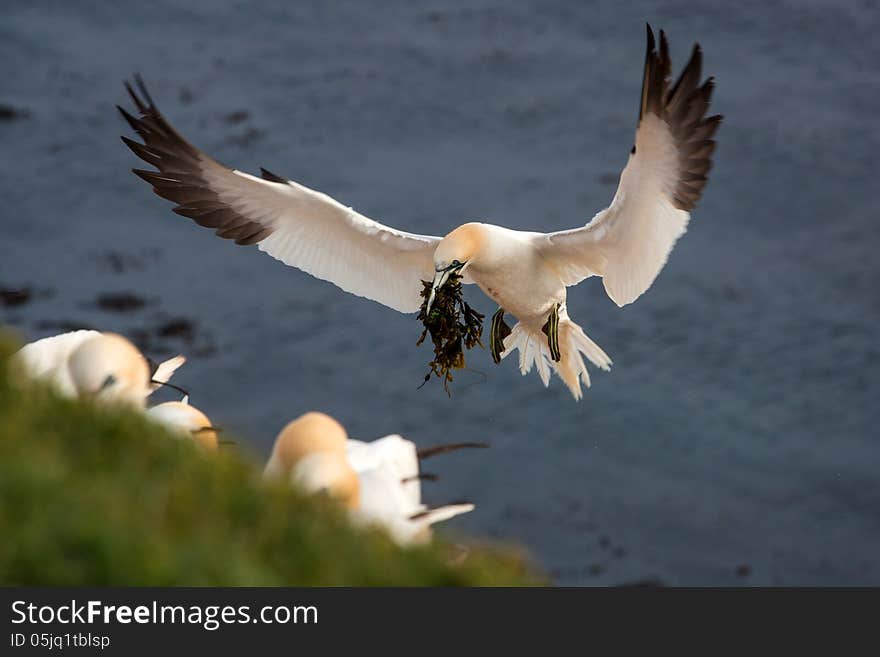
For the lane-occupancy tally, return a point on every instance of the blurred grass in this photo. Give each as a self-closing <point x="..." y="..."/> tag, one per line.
<point x="101" y="497"/>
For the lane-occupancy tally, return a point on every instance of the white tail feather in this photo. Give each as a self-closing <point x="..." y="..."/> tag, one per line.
<point x="441" y="513"/>
<point x="534" y="351"/>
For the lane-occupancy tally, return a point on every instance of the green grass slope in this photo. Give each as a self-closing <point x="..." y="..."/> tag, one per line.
<point x="91" y="496"/>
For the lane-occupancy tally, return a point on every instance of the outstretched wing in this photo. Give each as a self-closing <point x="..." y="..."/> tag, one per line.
<point x="628" y="242"/>
<point x="297" y="225"/>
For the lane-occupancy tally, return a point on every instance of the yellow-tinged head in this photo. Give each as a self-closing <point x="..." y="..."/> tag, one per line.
<point x="186" y="420"/>
<point x="109" y="368"/>
<point x="307" y="434"/>
<point x="460" y="245"/>
<point x="310" y="452"/>
<point x="455" y="252"/>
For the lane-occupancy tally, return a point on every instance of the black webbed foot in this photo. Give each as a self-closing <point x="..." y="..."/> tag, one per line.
<point x="551" y="330"/>
<point x="498" y="332"/>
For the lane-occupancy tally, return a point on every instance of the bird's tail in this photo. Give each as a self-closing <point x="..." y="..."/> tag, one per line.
<point x="421" y="522"/>
<point x="534" y="350"/>
<point x="436" y="514"/>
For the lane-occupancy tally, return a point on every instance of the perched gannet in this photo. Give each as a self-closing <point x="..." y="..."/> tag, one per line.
<point x="183" y="418"/>
<point x="104" y="366"/>
<point x="525" y="273"/>
<point x="310" y="452"/>
<point x="377" y="481"/>
<point x="391" y="494"/>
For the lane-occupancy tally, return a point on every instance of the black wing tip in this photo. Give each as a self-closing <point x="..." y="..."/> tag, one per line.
<point x="682" y="106"/>
<point x="428" y="452"/>
<point x="124" y="113"/>
<point x="271" y="177"/>
<point x="422" y="476"/>
<point x="696" y="60"/>
<point x="144" y="101"/>
<point x="255" y="234"/>
<point x="143" y="89"/>
<point x="147" y="176"/>
<point x="656" y="91"/>
<point x="133" y="122"/>
<point x="179" y="177"/>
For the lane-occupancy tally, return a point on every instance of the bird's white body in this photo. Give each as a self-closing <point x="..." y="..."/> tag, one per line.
<point x="392" y="454"/>
<point x="515" y="275"/>
<point x="376" y="481"/>
<point x="47" y="359"/>
<point x="77" y="363"/>
<point x="525" y="273"/>
<point x="391" y="496"/>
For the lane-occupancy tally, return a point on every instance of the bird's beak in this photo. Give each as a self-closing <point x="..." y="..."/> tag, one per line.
<point x="440" y="278"/>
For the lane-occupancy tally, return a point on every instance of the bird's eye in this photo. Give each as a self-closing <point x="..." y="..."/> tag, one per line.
<point x="456" y="263"/>
<point x="109" y="381"/>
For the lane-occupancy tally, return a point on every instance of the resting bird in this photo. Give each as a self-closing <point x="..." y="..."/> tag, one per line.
<point x="186" y="420"/>
<point x="390" y="475"/>
<point x="101" y="366"/>
<point x="525" y="273"/>
<point x="378" y="481"/>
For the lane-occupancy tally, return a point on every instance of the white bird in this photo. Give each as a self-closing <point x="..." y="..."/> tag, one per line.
<point x="186" y="420"/>
<point x="391" y="493"/>
<point x="310" y="452"/>
<point x="525" y="273"/>
<point x="102" y="366"/>
<point x="378" y="481"/>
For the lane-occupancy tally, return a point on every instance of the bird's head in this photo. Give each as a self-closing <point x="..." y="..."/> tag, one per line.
<point x="109" y="368"/>
<point x="309" y="433"/>
<point x="311" y="453"/>
<point x="454" y="254"/>
<point x="328" y="473"/>
<point x="184" y="419"/>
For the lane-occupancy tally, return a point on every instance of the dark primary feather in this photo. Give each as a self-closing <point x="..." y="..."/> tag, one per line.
<point x="179" y="176"/>
<point x="428" y="452"/>
<point x="271" y="177"/>
<point x="422" y="476"/>
<point x="683" y="107"/>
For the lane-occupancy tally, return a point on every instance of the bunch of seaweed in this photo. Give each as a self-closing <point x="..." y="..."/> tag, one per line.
<point x="453" y="325"/>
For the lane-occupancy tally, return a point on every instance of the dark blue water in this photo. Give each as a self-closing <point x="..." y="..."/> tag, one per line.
<point x="735" y="440"/>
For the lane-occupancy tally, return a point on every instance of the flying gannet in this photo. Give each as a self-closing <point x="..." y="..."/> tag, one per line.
<point x="378" y="482"/>
<point x="102" y="366"/>
<point x="525" y="273"/>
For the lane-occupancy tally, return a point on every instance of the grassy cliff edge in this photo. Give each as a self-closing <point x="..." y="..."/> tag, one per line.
<point x="98" y="497"/>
